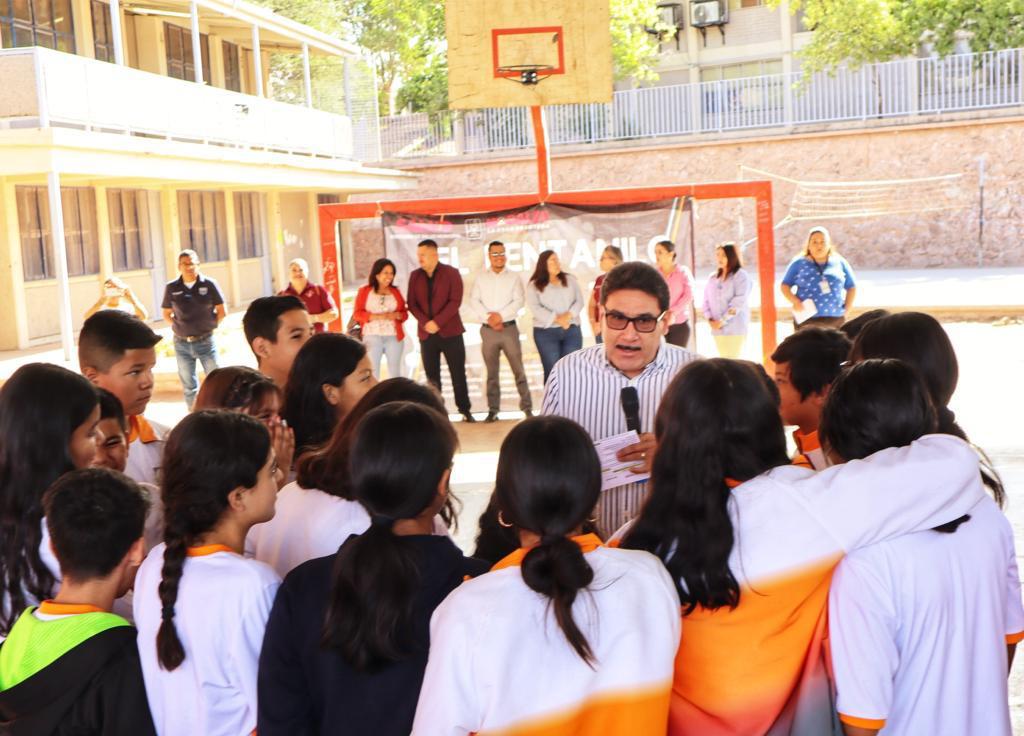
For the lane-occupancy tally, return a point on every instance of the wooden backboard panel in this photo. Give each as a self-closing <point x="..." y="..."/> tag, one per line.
<point x="570" y="38"/>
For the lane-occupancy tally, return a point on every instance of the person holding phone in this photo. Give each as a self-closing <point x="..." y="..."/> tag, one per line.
<point x="116" y="294"/>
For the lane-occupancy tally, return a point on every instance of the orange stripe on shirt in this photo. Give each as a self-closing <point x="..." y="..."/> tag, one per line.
<point x="772" y="644"/>
<point x="876" y="723"/>
<point x="53" y="608"/>
<point x="621" y="714"/>
<point x="207" y="549"/>
<point x="140" y="429"/>
<point x="1014" y="638"/>
<point x="587" y="542"/>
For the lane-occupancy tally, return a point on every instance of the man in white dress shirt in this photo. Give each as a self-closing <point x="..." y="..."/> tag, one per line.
<point x="496" y="300"/>
<point x="586" y="385"/>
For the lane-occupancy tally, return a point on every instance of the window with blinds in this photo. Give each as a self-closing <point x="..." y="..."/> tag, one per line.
<point x="46" y="23"/>
<point x="78" y="205"/>
<point x="249" y="230"/>
<point x="202" y="222"/>
<point x="180" y="62"/>
<point x="103" y="37"/>
<point x="232" y="67"/>
<point x="130" y="231"/>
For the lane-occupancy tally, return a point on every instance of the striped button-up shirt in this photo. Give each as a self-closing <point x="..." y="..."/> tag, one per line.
<point x="585" y="387"/>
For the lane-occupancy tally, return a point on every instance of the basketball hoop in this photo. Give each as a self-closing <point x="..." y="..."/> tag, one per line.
<point x="526" y="74"/>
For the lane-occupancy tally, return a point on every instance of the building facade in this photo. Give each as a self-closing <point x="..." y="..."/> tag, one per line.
<point x="131" y="131"/>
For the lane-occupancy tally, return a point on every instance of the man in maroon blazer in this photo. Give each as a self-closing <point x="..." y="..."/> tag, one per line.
<point x="435" y="295"/>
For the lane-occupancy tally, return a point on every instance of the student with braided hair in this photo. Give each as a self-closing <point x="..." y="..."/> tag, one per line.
<point x="564" y="635"/>
<point x="200" y="606"/>
<point x="347" y="640"/>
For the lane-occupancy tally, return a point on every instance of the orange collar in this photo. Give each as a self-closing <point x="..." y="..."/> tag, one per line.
<point x="587" y="543"/>
<point x="732" y="482"/>
<point x="208" y="549"/>
<point x="806" y="442"/>
<point x="140" y="429"/>
<point x="66" y="609"/>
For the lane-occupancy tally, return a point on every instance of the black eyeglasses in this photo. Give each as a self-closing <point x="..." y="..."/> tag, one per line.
<point x="643" y="323"/>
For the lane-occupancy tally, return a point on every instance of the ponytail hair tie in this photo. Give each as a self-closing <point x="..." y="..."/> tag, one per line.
<point x="167" y="612"/>
<point x="381" y="520"/>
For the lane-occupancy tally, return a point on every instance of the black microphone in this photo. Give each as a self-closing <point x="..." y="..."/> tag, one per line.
<point x="631" y="407"/>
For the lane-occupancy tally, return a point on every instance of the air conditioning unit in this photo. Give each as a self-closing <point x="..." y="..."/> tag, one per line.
<point x="705" y="13"/>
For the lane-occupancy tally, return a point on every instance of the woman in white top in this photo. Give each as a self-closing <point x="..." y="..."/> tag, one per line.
<point x="555" y="301"/>
<point x="48" y="418"/>
<point x="318" y="512"/>
<point x="916" y="618"/>
<point x="380" y="311"/>
<point x="200" y="606"/>
<point x="564" y="635"/>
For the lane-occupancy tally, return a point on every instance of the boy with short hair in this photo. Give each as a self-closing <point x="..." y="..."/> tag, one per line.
<point x="116" y="352"/>
<point x="276" y="327"/>
<point x="70" y="666"/>
<point x="806" y="364"/>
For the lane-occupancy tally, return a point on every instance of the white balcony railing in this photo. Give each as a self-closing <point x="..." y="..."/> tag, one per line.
<point x="75" y="91"/>
<point x="893" y="89"/>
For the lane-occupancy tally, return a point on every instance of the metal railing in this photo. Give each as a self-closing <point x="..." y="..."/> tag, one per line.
<point x="902" y="88"/>
<point x="67" y="90"/>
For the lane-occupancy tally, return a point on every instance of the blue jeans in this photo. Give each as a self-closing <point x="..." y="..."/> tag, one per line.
<point x="554" y="343"/>
<point x="187" y="353"/>
<point x="381" y="345"/>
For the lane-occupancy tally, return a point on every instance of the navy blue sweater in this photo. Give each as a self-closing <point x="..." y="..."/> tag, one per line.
<point x="305" y="690"/>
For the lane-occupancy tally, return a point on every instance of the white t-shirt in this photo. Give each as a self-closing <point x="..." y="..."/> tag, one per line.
<point x="307" y="524"/>
<point x="919" y="627"/>
<point x="500" y="663"/>
<point x="146" y="454"/>
<point x="223" y="604"/>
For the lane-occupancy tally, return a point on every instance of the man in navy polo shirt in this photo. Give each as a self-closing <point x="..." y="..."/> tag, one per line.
<point x="194" y="306"/>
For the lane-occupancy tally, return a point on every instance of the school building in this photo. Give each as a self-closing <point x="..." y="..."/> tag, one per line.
<point x="130" y="130"/>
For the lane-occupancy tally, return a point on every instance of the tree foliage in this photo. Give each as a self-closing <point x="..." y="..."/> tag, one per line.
<point x="857" y="32"/>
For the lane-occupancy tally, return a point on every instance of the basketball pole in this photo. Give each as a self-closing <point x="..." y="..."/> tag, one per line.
<point x="540" y="137"/>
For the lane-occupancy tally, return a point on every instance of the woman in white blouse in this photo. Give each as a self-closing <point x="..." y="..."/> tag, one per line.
<point x="380" y="311"/>
<point x="555" y="301"/>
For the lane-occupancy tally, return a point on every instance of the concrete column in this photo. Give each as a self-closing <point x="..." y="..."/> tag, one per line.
<point x="275" y="243"/>
<point x="14" y="325"/>
<point x="306" y="76"/>
<point x="234" y="285"/>
<point x="115" y="31"/>
<point x="216" y="63"/>
<point x="103" y="232"/>
<point x="257" y="61"/>
<point x="60" y="252"/>
<point x="171" y="231"/>
<point x="197" y="49"/>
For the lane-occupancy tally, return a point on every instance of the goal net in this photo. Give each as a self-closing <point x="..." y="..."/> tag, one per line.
<point x="827" y="200"/>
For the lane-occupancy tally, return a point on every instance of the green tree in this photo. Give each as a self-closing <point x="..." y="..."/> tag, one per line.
<point x="634" y="47"/>
<point x="857" y="32"/>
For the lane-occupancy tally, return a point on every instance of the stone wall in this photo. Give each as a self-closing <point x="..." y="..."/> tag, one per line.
<point x="937" y="239"/>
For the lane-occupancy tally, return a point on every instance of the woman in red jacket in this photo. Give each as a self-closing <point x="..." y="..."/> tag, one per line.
<point x="380" y="311"/>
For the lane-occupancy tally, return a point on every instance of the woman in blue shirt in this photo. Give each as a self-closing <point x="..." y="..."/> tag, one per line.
<point x="823" y="276"/>
<point x="727" y="301"/>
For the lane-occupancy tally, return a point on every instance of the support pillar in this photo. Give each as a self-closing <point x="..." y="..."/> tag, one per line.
<point x="197" y="49"/>
<point x="257" y="61"/>
<point x="306" y="78"/>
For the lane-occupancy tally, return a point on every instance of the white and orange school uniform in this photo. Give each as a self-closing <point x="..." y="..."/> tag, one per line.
<point x="918" y="628"/>
<point x="760" y="668"/>
<point x="808" y="451"/>
<point x="223" y="604"/>
<point x="499" y="663"/>
<point x="146" y="440"/>
<point x="308" y="523"/>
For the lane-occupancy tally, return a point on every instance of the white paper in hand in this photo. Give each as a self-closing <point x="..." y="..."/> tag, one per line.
<point x="805" y="311"/>
<point x="615" y="472"/>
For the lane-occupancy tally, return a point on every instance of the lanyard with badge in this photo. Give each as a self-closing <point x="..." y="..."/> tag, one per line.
<point x="823" y="284"/>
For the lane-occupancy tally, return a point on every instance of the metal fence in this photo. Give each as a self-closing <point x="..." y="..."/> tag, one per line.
<point x="875" y="91"/>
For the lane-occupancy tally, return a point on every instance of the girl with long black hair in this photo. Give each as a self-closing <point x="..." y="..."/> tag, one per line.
<point x="564" y="635"/>
<point x="892" y="602"/>
<point x="348" y="637"/>
<point x="330" y="374"/>
<point x="48" y="418"/>
<point x="200" y="606"/>
<point x="751" y="543"/>
<point x="317" y="512"/>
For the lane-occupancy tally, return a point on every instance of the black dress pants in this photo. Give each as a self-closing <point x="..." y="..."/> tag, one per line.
<point x="454" y="351"/>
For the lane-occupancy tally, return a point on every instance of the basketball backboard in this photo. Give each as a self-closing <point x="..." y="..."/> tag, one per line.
<point x="515" y="53"/>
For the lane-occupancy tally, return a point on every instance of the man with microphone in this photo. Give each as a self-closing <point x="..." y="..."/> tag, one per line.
<point x="615" y="386"/>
